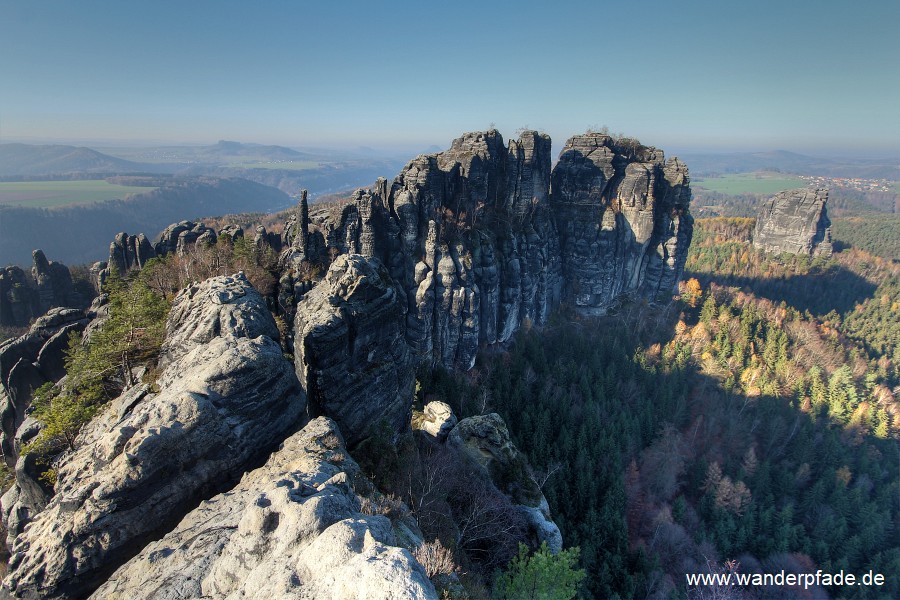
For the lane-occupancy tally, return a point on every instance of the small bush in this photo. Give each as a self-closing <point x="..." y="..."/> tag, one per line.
<point x="436" y="559"/>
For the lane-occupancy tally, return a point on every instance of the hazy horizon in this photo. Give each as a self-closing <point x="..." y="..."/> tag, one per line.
<point x="687" y="78"/>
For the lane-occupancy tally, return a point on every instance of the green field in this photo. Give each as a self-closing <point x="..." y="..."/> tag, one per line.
<point x="47" y="194"/>
<point x="749" y="183"/>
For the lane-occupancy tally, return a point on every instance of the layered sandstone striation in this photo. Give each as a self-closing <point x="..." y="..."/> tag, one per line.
<point x="486" y="236"/>
<point x="350" y="353"/>
<point x="795" y="222"/>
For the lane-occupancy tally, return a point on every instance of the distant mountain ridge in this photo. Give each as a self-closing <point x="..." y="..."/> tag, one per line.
<point x="705" y="164"/>
<point x="25" y="159"/>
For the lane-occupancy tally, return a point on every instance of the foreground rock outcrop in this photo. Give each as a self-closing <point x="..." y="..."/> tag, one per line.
<point x="225" y="399"/>
<point x="349" y="350"/>
<point x="795" y="222"/>
<point x="290" y="529"/>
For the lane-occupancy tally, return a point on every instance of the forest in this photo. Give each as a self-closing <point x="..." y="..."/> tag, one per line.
<point x="748" y="425"/>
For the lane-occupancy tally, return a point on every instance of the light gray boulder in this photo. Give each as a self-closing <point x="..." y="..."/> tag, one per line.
<point x="224" y="401"/>
<point x="290" y="529"/>
<point x="438" y="419"/>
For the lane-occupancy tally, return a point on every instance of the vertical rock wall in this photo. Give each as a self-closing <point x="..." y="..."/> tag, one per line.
<point x="486" y="236"/>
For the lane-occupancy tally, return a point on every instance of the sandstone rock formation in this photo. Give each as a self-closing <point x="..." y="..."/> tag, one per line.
<point x="795" y="222"/>
<point x="226" y="398"/>
<point x="485" y="440"/>
<point x="54" y="283"/>
<point x="23" y="299"/>
<point x="28" y="362"/>
<point x="179" y="236"/>
<point x="290" y="529"/>
<point x="483" y="237"/>
<point x="18" y="299"/>
<point x="349" y="349"/>
<point x="621" y="213"/>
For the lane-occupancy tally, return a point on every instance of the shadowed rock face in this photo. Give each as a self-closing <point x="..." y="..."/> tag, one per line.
<point x="795" y="222"/>
<point x="290" y="529"/>
<point x="350" y="353"/>
<point x="621" y="213"/>
<point x="23" y="299"/>
<point x="226" y="397"/>
<point x="483" y="237"/>
<point x="28" y="362"/>
<point x="485" y="440"/>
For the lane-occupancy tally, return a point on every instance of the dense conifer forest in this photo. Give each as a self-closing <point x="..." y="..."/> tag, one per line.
<point x="749" y="425"/>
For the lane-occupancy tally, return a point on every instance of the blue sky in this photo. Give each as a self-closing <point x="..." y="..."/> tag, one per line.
<point x="806" y="76"/>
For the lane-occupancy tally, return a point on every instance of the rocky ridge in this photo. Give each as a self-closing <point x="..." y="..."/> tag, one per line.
<point x="795" y="222"/>
<point x="486" y="236"/>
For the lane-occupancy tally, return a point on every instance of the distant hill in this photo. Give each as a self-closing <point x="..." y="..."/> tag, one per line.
<point x="226" y="149"/>
<point x="82" y="234"/>
<point x="791" y="162"/>
<point x="25" y="159"/>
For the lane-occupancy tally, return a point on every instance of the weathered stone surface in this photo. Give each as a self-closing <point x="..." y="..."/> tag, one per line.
<point x="796" y="222"/>
<point x="224" y="401"/>
<point x="485" y="440"/>
<point x="178" y="237"/>
<point x="225" y="306"/>
<point x="619" y="206"/>
<point x="18" y="299"/>
<point x="54" y="283"/>
<point x="349" y="350"/>
<point x="484" y="237"/>
<point x="438" y="419"/>
<point x="28" y="362"/>
<point x="128" y="252"/>
<point x="290" y="529"/>
<point x="29" y="493"/>
<point x="232" y="231"/>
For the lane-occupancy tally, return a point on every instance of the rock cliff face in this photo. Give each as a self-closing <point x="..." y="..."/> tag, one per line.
<point x="23" y="299"/>
<point x="226" y="397"/>
<point x="795" y="222"/>
<point x="621" y="213"/>
<point x="290" y="529"/>
<point x="485" y="236"/>
<point x="28" y="362"/>
<point x="349" y="350"/>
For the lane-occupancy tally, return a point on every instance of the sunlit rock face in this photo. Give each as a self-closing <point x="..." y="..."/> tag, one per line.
<point x="486" y="236"/>
<point x="290" y="529"/>
<point x="226" y="397"/>
<point x="796" y="222"/>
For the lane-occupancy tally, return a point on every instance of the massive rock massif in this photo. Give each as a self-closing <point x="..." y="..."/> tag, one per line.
<point x="795" y="222"/>
<point x="461" y="249"/>
<point x="485" y="236"/>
